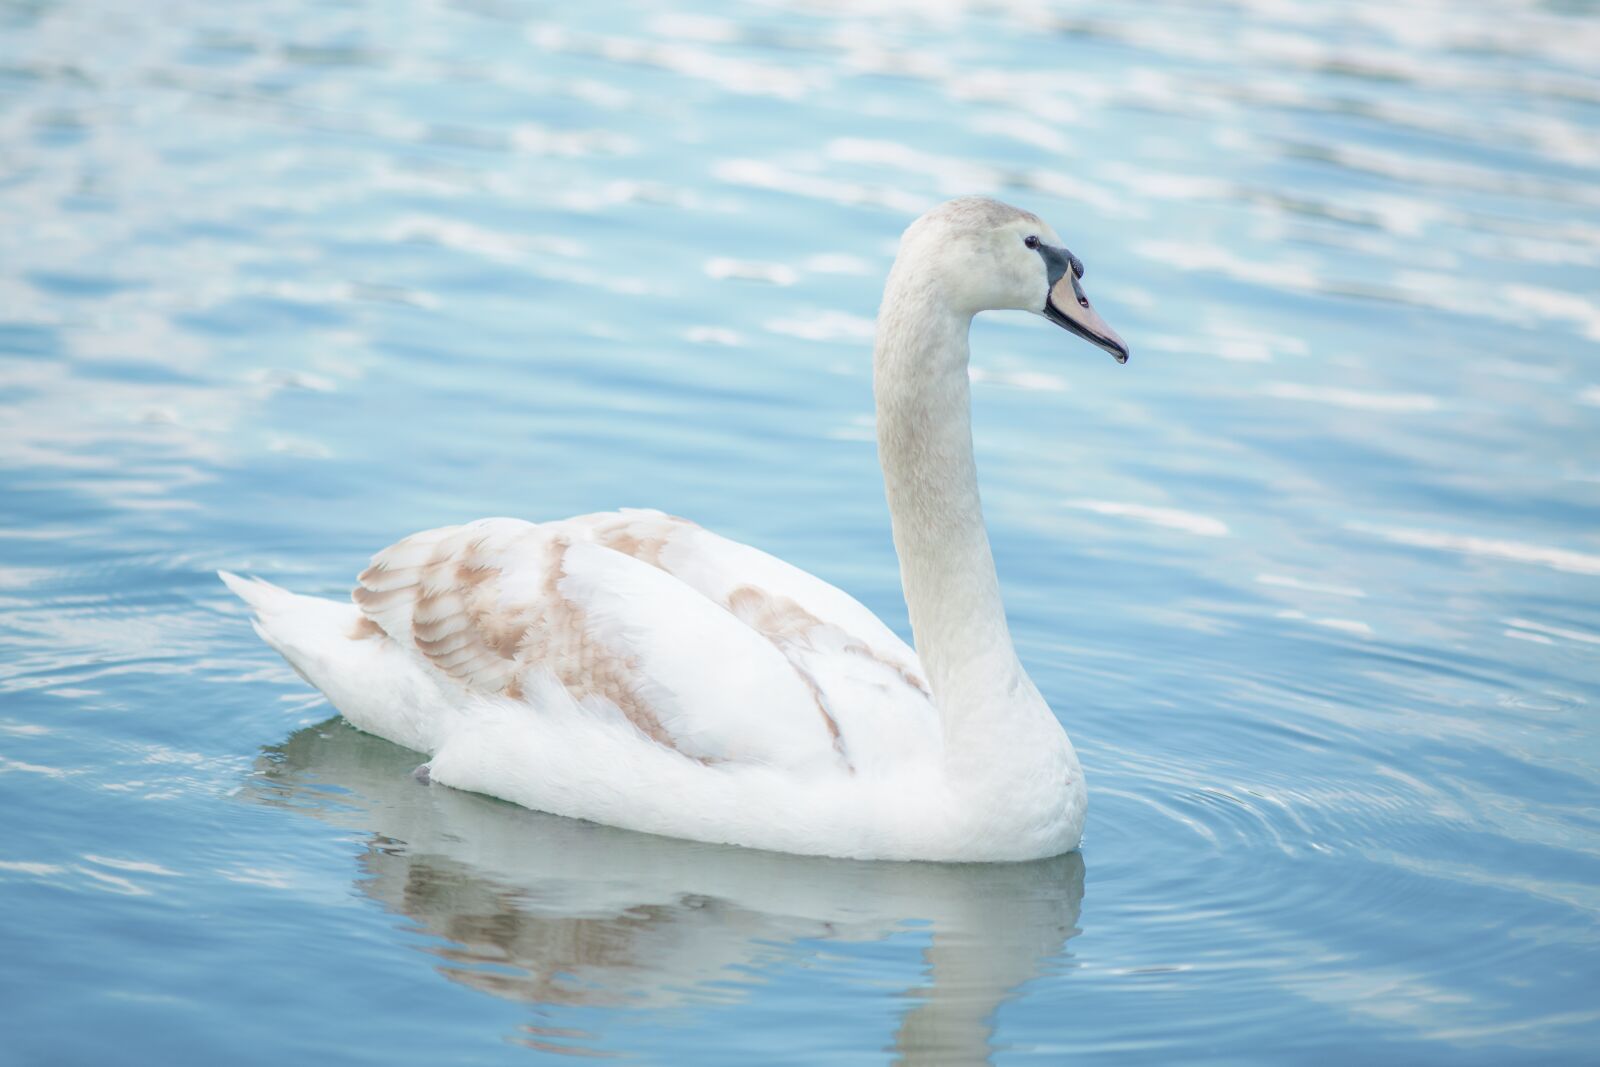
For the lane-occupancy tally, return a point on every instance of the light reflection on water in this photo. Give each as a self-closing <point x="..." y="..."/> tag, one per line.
<point x="1312" y="580"/>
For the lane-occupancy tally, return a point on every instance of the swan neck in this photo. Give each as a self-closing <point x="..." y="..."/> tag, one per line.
<point x="922" y="391"/>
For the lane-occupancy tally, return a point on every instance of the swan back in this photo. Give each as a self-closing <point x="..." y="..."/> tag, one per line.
<point x="621" y="610"/>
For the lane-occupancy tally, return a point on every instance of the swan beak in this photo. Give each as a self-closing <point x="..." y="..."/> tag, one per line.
<point x="1067" y="307"/>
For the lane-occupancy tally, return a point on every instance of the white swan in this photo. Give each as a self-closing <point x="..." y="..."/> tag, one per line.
<point x="634" y="669"/>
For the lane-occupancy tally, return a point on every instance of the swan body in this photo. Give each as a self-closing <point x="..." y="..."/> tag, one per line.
<point x="637" y="670"/>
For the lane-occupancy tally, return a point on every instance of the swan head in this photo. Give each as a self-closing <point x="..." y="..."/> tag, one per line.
<point x="983" y="255"/>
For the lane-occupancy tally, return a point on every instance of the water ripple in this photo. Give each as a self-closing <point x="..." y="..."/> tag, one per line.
<point x="1310" y="580"/>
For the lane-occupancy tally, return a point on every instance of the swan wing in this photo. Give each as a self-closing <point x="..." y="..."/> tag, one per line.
<point x="748" y="582"/>
<point x="499" y="607"/>
<point x="869" y="681"/>
<point x="706" y="645"/>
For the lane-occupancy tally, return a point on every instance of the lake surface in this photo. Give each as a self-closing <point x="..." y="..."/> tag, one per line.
<point x="1313" y="581"/>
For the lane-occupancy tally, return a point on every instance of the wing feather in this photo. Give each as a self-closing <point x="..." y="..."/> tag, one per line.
<point x="489" y="604"/>
<point x="867" y="681"/>
<point x="728" y="572"/>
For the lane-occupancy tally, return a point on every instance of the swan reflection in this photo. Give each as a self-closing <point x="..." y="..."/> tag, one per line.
<point x="552" y="911"/>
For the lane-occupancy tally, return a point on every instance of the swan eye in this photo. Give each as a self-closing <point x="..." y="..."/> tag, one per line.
<point x="1032" y="240"/>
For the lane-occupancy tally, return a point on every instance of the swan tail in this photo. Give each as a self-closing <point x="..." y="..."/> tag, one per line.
<point x="337" y="649"/>
<point x="264" y="598"/>
<point x="304" y="630"/>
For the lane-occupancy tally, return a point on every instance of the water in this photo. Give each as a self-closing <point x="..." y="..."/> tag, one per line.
<point x="1312" y="580"/>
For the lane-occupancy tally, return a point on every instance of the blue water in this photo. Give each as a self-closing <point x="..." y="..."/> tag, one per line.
<point x="1313" y="581"/>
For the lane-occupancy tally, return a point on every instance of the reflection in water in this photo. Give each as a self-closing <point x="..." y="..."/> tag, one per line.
<point x="553" y="911"/>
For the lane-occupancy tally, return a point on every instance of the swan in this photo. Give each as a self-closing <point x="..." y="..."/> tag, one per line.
<point x="634" y="669"/>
